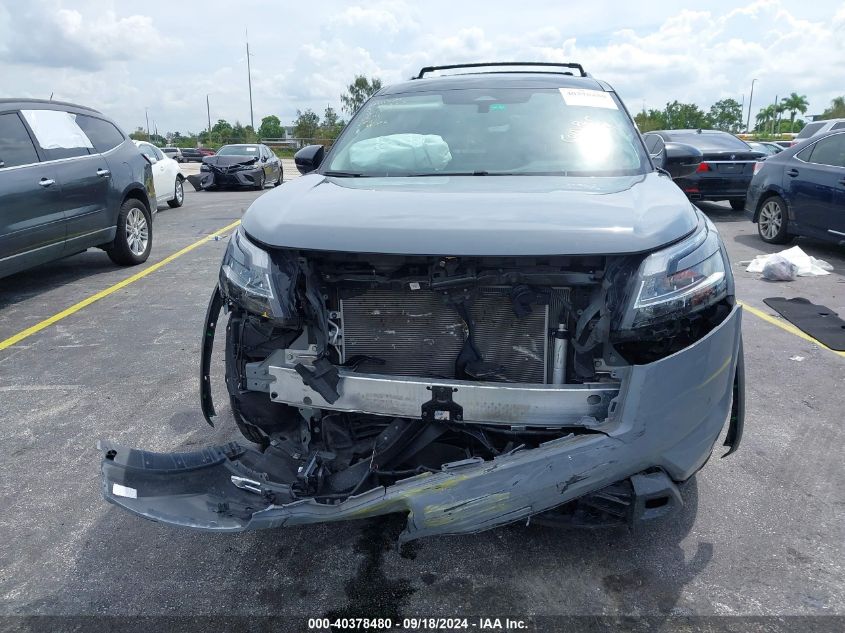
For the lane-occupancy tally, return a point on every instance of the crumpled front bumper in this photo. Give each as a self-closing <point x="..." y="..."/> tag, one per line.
<point x="223" y="178"/>
<point x="666" y="419"/>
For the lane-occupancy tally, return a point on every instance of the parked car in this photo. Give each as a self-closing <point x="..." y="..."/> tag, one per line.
<point x="70" y="179"/>
<point x="173" y="152"/>
<point x="206" y="151"/>
<point x="240" y="165"/>
<point x="484" y="302"/>
<point x="817" y="128"/>
<point x="726" y="170"/>
<point x="766" y="148"/>
<point x="191" y="154"/>
<point x="801" y="192"/>
<point x="167" y="175"/>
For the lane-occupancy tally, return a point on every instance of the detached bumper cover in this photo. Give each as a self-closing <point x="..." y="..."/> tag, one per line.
<point x="668" y="416"/>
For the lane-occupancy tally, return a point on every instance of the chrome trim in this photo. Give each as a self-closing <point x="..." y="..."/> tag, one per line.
<point x="836" y="232"/>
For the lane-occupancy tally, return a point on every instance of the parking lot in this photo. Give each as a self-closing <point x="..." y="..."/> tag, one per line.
<point x="761" y="532"/>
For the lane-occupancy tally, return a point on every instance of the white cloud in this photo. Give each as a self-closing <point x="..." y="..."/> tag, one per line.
<point x="168" y="56"/>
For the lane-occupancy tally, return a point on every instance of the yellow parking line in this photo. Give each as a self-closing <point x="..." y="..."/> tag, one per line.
<point x="786" y="326"/>
<point x="76" y="307"/>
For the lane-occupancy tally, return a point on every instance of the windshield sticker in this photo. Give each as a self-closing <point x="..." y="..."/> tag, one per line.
<point x="250" y="149"/>
<point x="497" y="106"/>
<point x="588" y="98"/>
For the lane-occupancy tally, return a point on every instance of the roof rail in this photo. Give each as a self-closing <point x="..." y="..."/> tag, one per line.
<point x="578" y="67"/>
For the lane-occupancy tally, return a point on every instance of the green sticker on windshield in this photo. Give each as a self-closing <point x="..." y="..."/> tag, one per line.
<point x="498" y="106"/>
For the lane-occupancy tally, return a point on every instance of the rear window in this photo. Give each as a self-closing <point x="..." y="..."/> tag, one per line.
<point x="810" y="129"/>
<point x="102" y="134"/>
<point x="711" y="141"/>
<point x="838" y="126"/>
<point x="57" y="133"/>
<point x="16" y="147"/>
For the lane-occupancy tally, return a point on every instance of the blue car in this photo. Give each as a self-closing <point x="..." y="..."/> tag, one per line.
<point x="801" y="191"/>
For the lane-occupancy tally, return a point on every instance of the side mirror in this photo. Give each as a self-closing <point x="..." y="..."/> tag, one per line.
<point x="309" y="158"/>
<point x="151" y="160"/>
<point x="679" y="159"/>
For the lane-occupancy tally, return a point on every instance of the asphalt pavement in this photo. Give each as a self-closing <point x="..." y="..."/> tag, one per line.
<point x="761" y="533"/>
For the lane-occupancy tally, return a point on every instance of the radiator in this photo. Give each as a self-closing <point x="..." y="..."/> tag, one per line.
<point x="416" y="333"/>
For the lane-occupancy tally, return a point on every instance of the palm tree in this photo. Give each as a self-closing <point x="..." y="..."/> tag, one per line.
<point x="795" y="103"/>
<point x="765" y="115"/>
<point x="780" y="108"/>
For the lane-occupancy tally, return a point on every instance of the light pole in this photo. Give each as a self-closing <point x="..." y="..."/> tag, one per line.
<point x="147" y="117"/>
<point x="249" y="79"/>
<point x="208" y="112"/>
<point x="750" y="99"/>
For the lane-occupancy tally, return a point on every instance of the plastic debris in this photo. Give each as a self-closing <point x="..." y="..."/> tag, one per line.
<point x="779" y="268"/>
<point x="796" y="358"/>
<point x="806" y="265"/>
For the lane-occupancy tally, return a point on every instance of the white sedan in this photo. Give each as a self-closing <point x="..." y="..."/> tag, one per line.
<point x="167" y="175"/>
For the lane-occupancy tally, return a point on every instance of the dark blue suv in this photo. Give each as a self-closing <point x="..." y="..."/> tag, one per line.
<point x="801" y="191"/>
<point x="70" y="180"/>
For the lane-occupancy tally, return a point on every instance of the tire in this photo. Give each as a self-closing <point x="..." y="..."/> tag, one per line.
<point x="178" y="194"/>
<point x="280" y="179"/>
<point x="772" y="221"/>
<point x="259" y="185"/>
<point x="134" y="238"/>
<point x="737" y="205"/>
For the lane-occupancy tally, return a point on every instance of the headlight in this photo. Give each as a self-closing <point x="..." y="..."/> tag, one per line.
<point x="680" y="280"/>
<point x="246" y="277"/>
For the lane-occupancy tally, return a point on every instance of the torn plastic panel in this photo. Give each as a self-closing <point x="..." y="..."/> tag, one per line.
<point x="666" y="419"/>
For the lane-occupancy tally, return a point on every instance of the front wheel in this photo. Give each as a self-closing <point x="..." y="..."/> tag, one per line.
<point x="134" y="238"/>
<point x="772" y="221"/>
<point x="178" y="194"/>
<point x="259" y="181"/>
<point x="280" y="178"/>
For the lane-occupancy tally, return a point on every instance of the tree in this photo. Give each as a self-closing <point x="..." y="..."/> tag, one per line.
<point x="684" y="115"/>
<point x="332" y="124"/>
<point x="795" y="103"/>
<point x="651" y="120"/>
<point x="835" y="111"/>
<point x="764" y="116"/>
<point x="358" y="92"/>
<point x="306" y="124"/>
<point x="140" y="134"/>
<point x="271" y="127"/>
<point x="726" y="115"/>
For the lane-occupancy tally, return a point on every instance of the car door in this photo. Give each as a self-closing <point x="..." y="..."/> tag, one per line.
<point x="161" y="174"/>
<point x="817" y="183"/>
<point x="32" y="228"/>
<point x="82" y="173"/>
<point x="275" y="164"/>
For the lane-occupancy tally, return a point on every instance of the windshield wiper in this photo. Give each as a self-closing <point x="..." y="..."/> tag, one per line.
<point x="343" y="174"/>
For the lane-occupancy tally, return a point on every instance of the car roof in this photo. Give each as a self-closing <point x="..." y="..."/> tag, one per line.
<point x="42" y="104"/>
<point x="463" y="81"/>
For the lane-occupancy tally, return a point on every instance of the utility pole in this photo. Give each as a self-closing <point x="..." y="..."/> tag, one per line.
<point x="249" y="79"/>
<point x="775" y="113"/>
<point x="147" y="117"/>
<point x="208" y="112"/>
<point x="750" y="99"/>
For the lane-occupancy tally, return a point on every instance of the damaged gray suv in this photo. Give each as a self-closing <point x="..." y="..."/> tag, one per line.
<point x="487" y="302"/>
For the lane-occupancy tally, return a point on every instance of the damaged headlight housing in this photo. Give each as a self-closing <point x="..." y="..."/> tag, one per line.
<point x="246" y="276"/>
<point x="680" y="280"/>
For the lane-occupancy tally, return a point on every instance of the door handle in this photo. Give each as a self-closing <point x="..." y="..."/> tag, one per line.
<point x="792" y="172"/>
<point x="103" y="173"/>
<point x="46" y="182"/>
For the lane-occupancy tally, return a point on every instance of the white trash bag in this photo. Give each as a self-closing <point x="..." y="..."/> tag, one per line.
<point x="806" y="266"/>
<point x="401" y="152"/>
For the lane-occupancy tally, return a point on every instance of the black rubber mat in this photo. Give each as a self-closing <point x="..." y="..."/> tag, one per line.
<point x="822" y="323"/>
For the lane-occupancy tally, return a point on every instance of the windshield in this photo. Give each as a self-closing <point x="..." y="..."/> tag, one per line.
<point x="572" y="132"/>
<point x="238" y="150"/>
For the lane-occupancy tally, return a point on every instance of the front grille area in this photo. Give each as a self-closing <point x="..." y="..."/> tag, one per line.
<point x="416" y="333"/>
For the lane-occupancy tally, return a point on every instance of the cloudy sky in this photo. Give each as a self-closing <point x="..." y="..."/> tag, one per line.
<point x="166" y="55"/>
